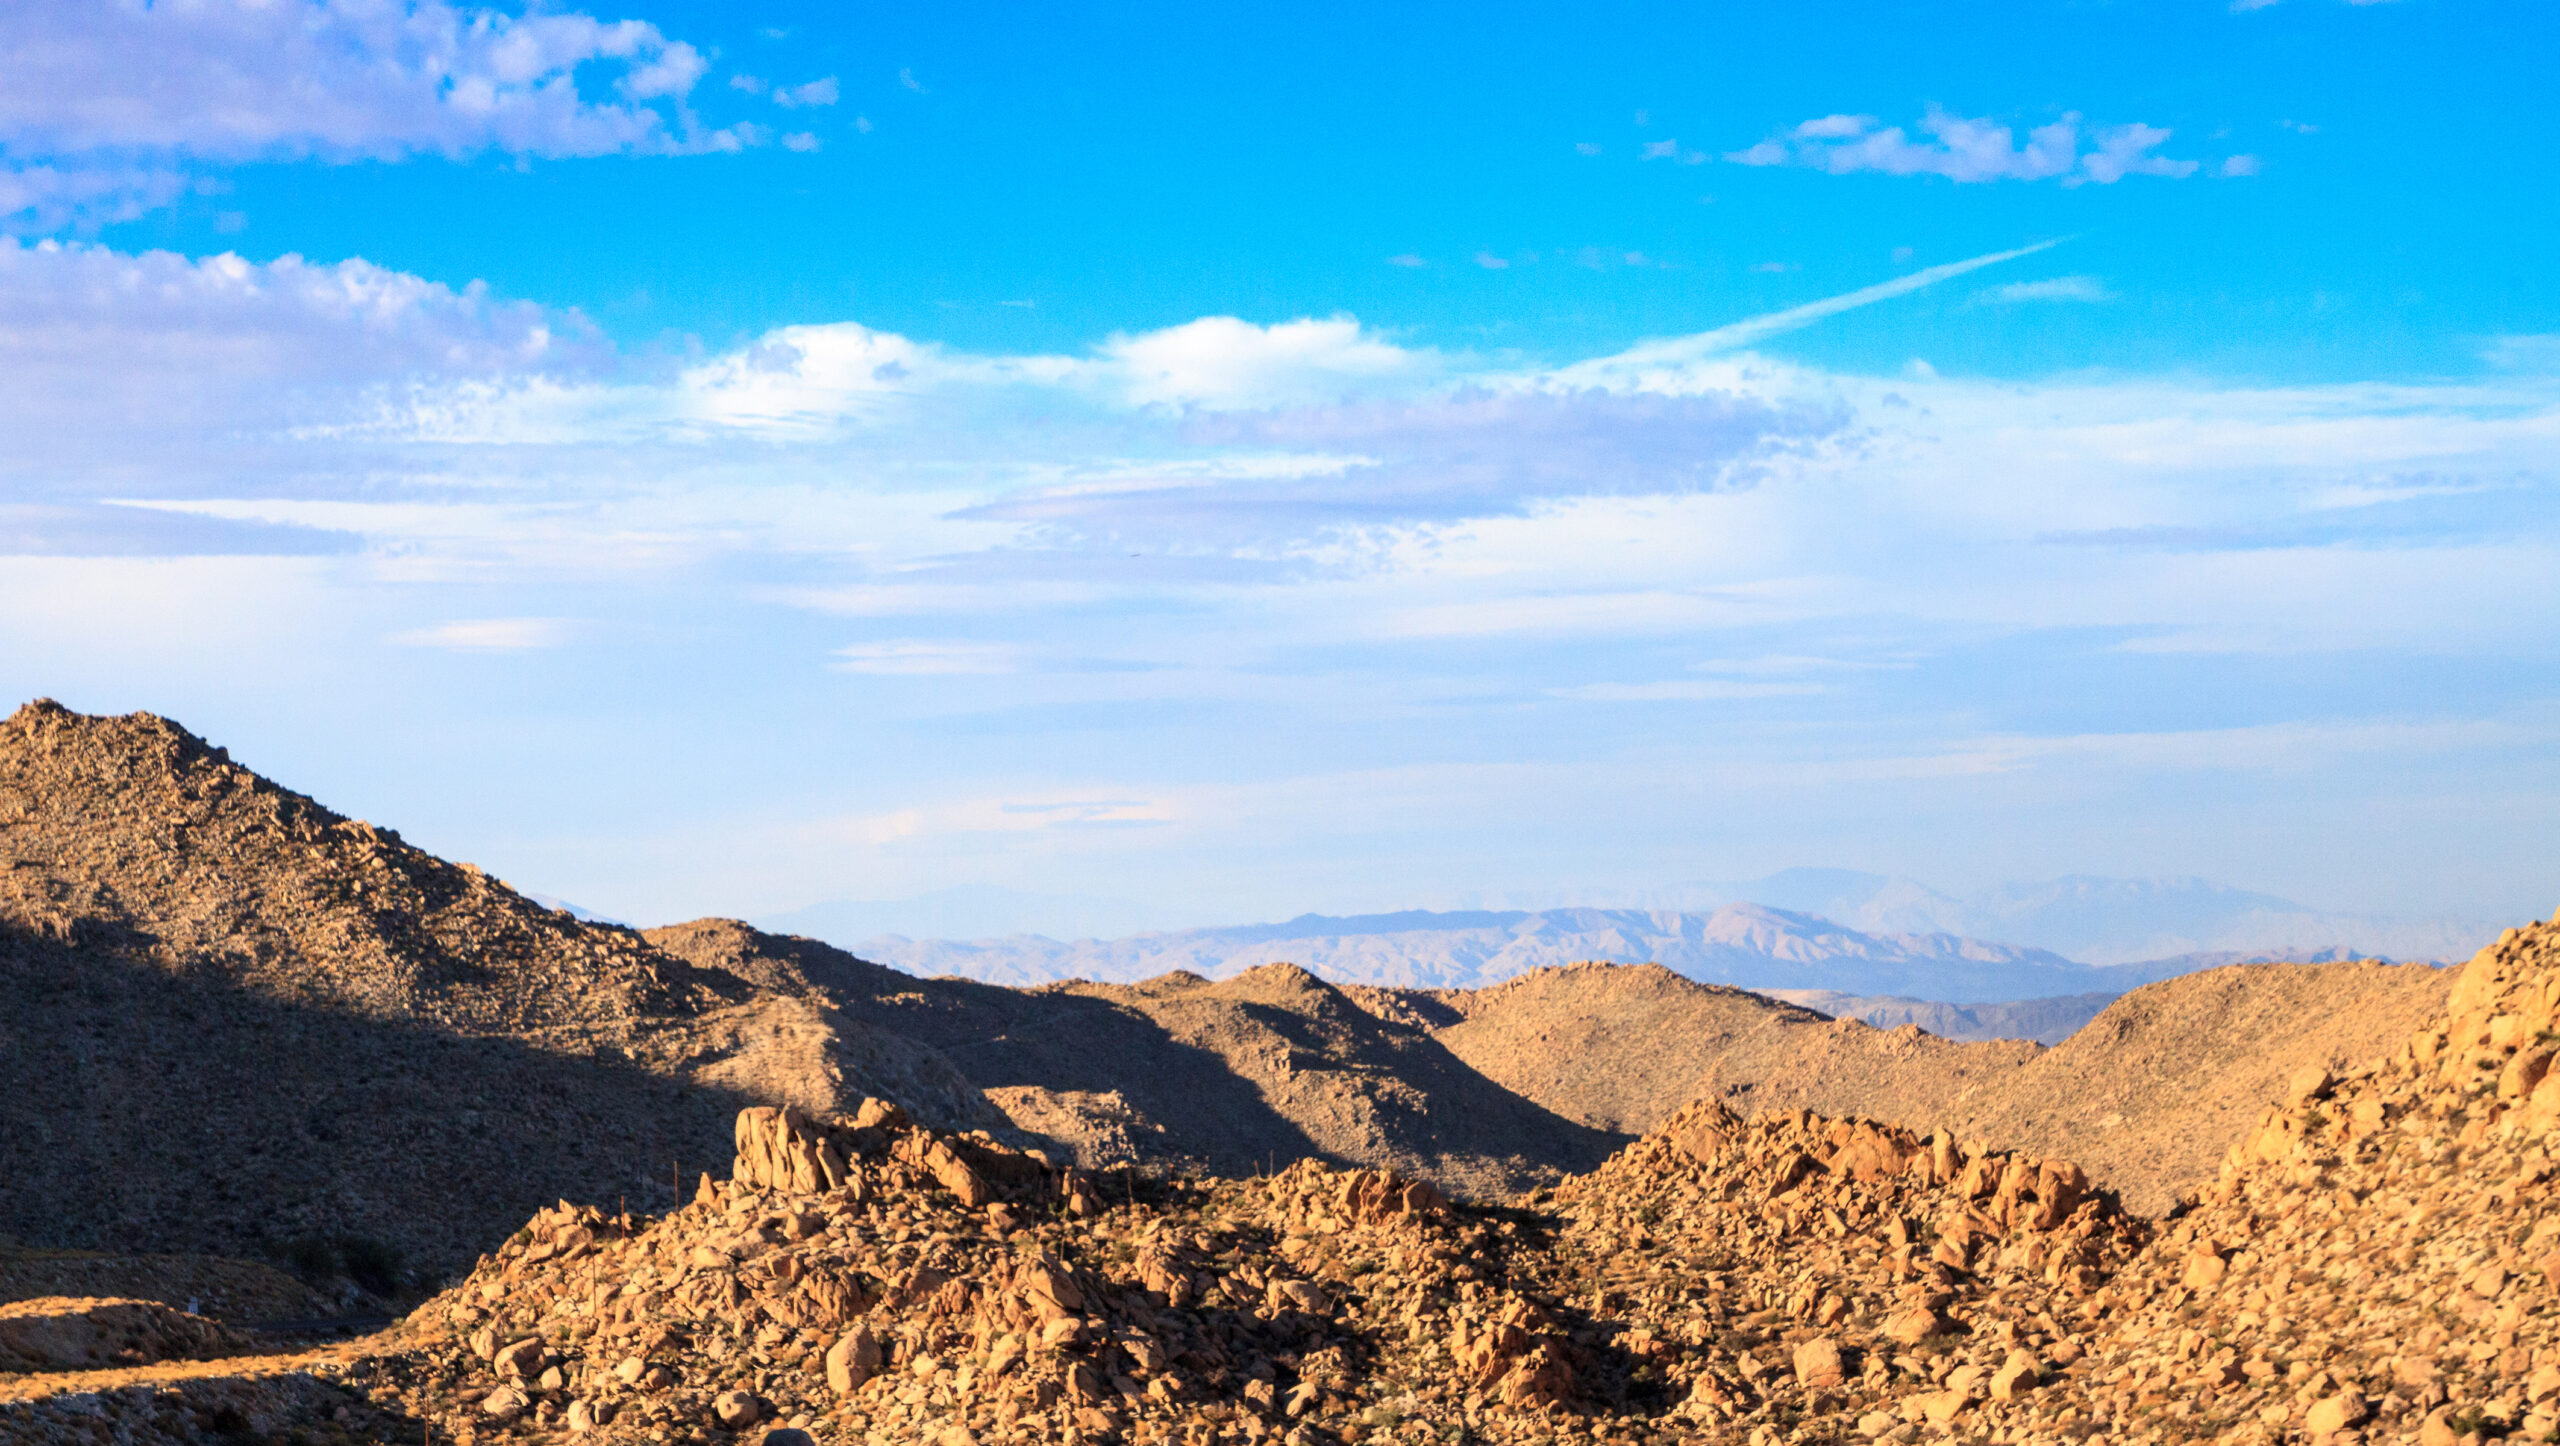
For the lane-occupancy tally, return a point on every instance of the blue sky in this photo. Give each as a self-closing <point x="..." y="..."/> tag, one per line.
<point x="1248" y="461"/>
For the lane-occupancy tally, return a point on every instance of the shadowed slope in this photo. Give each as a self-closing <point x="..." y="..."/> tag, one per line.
<point x="1269" y="1066"/>
<point x="234" y="1021"/>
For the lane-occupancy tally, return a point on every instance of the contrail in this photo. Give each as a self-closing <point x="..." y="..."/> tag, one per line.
<point x="1744" y="333"/>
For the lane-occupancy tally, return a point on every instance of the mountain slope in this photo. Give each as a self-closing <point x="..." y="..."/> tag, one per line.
<point x="234" y="1021"/>
<point x="2150" y="1094"/>
<point x="1623" y="1047"/>
<point x="1234" y="1076"/>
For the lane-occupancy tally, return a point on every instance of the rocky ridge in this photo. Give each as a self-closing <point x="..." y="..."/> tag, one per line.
<point x="2378" y="1260"/>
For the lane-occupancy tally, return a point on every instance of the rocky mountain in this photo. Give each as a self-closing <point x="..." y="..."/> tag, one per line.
<point x="234" y="1022"/>
<point x="315" y="1041"/>
<point x="1229" y="1077"/>
<point x="1748" y="945"/>
<point x="2376" y="1259"/>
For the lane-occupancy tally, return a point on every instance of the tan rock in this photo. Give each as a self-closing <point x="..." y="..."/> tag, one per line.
<point x="2021" y="1372"/>
<point x="505" y="1403"/>
<point x="852" y="1360"/>
<point x="520" y="1358"/>
<point x="1818" y="1363"/>
<point x="2524" y="1072"/>
<point x="735" y="1409"/>
<point x="2311" y="1082"/>
<point x="2335" y="1413"/>
<point x="1300" y="1295"/>
<point x="2205" y="1270"/>
<point x="1912" y="1325"/>
<point x="1940" y="1407"/>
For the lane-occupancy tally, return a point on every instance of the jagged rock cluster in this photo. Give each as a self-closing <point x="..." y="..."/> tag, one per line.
<point x="867" y="1278"/>
<point x="1815" y="1276"/>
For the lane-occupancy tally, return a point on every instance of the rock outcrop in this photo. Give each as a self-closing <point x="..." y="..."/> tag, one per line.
<point x="58" y="1333"/>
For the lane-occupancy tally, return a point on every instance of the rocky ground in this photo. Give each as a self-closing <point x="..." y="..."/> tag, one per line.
<point x="2379" y="1260"/>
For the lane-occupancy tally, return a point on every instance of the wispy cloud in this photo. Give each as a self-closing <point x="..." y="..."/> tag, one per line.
<point x="1969" y="150"/>
<point x="1737" y="335"/>
<point x="1684" y="690"/>
<point x="925" y="658"/>
<point x="815" y="93"/>
<point x="491" y="635"/>
<point x="2057" y="288"/>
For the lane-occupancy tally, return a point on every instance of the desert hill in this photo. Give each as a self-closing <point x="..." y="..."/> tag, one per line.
<point x="2150" y="1094"/>
<point x="2376" y="1260"/>
<point x="316" y="1041"/>
<point x="2147" y="1096"/>
<point x="1623" y="1047"/>
<point x="1270" y="1066"/>
<point x="312" y="1037"/>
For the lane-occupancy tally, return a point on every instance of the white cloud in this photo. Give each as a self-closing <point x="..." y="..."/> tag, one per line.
<point x="2126" y="151"/>
<point x="1406" y="259"/>
<point x="1588" y="148"/>
<point x="102" y="100"/>
<point x="2238" y="166"/>
<point x="802" y="141"/>
<point x="1491" y="262"/>
<point x="491" y="635"/>
<point x="220" y="356"/>
<point x="1221" y="361"/>
<point x="816" y="92"/>
<point x="1968" y="150"/>
<point x="2057" y="288"/>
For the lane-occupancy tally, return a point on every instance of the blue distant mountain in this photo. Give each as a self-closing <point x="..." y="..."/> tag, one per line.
<point x="1835" y="930"/>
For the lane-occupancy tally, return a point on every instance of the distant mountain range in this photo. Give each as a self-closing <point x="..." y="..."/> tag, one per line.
<point x="2104" y="920"/>
<point x="1836" y="931"/>
<point x="1746" y="945"/>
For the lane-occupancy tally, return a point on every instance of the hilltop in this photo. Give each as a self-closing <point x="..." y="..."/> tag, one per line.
<point x="239" y="1022"/>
